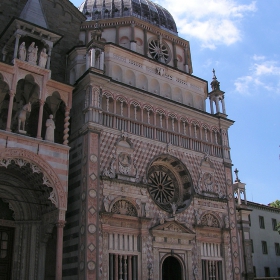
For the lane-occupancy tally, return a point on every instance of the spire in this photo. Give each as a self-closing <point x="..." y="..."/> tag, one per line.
<point x="215" y="85"/>
<point x="33" y="13"/>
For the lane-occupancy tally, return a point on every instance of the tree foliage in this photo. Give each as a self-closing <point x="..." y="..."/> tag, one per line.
<point x="275" y="204"/>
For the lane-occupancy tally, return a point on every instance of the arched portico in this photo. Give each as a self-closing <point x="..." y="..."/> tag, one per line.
<point x="36" y="199"/>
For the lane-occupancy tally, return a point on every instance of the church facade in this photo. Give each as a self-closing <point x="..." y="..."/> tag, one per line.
<point x="110" y="165"/>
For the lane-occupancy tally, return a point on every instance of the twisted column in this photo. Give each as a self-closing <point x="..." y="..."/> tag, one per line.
<point x="66" y="125"/>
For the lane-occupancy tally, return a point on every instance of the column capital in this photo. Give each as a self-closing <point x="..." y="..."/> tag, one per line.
<point x="60" y="224"/>
<point x="41" y="102"/>
<point x="12" y="93"/>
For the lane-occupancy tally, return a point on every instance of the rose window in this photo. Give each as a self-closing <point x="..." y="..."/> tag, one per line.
<point x="169" y="184"/>
<point x="163" y="186"/>
<point x="159" y="51"/>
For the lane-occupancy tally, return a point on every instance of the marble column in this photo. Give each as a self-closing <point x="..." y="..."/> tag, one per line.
<point x="59" y="250"/>
<point x="40" y="119"/>
<point x="16" y="45"/>
<point x="10" y="110"/>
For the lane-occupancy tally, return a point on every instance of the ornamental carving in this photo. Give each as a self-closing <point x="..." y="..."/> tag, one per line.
<point x="210" y="220"/>
<point x="123" y="164"/>
<point x="124" y="207"/>
<point x="22" y="157"/>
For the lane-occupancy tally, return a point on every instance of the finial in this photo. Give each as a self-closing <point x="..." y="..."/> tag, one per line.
<point x="214" y="75"/>
<point x="215" y="85"/>
<point x="236" y="174"/>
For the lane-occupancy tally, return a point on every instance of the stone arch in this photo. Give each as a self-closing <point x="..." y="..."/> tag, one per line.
<point x="166" y="91"/>
<point x="154" y="86"/>
<point x="142" y="82"/>
<point x="124" y="206"/>
<point x="130" y="78"/>
<point x="172" y="265"/>
<point x="188" y="99"/>
<point x="124" y="42"/>
<point x="117" y="73"/>
<point x="169" y="182"/>
<point x="55" y="106"/>
<point x="38" y="165"/>
<point x="198" y="103"/>
<point x="177" y="95"/>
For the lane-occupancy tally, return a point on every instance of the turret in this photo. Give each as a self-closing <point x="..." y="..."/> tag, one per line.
<point x="217" y="96"/>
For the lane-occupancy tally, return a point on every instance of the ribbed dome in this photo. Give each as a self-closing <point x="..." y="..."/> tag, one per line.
<point x="144" y="9"/>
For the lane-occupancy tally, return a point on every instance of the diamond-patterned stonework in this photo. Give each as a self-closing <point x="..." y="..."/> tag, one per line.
<point x="91" y="247"/>
<point x="92" y="210"/>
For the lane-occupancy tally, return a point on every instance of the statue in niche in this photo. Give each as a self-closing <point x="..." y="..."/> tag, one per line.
<point x="50" y="129"/>
<point x="22" y="117"/>
<point x="43" y="58"/>
<point x="32" y="53"/>
<point x="22" y="51"/>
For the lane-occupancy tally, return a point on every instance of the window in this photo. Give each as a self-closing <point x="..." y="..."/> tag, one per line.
<point x="277" y="249"/>
<point x="252" y="245"/>
<point x="266" y="272"/>
<point x="212" y="270"/>
<point x="264" y="247"/>
<point x="261" y="221"/>
<point x="249" y="218"/>
<point x="274" y="224"/>
<point x="278" y="269"/>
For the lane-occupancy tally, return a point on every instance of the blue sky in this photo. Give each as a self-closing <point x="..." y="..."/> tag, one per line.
<point x="241" y="40"/>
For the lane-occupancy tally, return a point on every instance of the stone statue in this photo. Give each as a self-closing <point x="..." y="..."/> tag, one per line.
<point x="50" y="129"/>
<point x="22" y="117"/>
<point x="22" y="51"/>
<point x="106" y="202"/>
<point x="32" y="53"/>
<point x="43" y="58"/>
<point x="174" y="208"/>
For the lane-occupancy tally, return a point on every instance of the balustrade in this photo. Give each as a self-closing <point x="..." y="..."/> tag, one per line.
<point x="163" y="135"/>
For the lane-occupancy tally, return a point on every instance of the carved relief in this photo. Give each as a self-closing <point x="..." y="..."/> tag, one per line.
<point x="124" y="207"/>
<point x="210" y="220"/>
<point x="123" y="165"/>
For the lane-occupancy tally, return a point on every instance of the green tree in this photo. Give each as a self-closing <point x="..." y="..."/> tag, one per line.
<point x="275" y="203"/>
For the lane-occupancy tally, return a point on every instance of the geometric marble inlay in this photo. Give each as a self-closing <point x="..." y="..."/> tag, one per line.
<point x="91" y="247"/>
<point x="91" y="265"/>
<point x="93" y="158"/>
<point x="92" y="228"/>
<point x="92" y="176"/>
<point x="91" y="210"/>
<point x="235" y="254"/>
<point x="92" y="193"/>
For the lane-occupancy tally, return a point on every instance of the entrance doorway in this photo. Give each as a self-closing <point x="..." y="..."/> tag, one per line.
<point x="171" y="269"/>
<point x="6" y="252"/>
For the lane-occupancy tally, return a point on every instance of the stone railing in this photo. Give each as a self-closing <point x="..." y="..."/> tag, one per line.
<point x="162" y="135"/>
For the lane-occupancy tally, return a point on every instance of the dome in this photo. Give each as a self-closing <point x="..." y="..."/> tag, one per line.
<point x="143" y="9"/>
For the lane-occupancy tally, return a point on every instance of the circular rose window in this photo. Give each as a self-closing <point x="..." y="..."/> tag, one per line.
<point x="159" y="51"/>
<point x="168" y="186"/>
